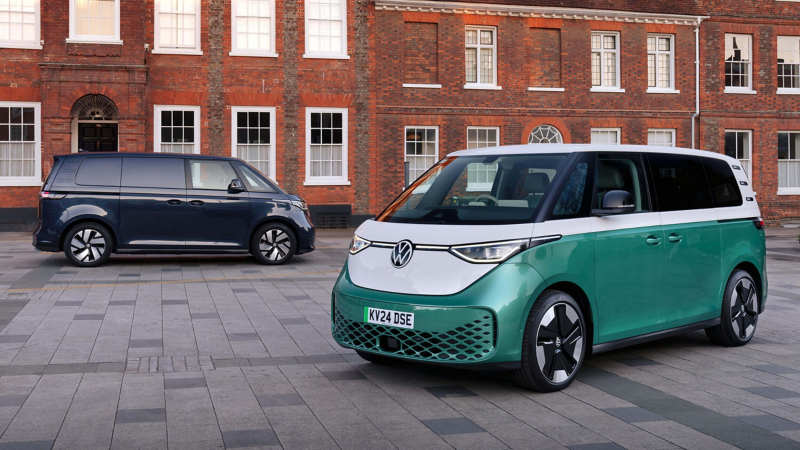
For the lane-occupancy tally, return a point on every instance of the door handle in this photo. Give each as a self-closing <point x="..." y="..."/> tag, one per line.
<point x="675" y="238"/>
<point x="196" y="203"/>
<point x="653" y="240"/>
<point x="174" y="202"/>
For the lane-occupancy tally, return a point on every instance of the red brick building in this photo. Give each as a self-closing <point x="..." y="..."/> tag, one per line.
<point x="331" y="97"/>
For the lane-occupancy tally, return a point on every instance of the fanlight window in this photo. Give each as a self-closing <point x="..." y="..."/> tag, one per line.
<point x="545" y="134"/>
<point x="95" y="107"/>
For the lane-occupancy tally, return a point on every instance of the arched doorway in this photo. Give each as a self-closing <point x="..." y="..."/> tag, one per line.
<point x="95" y="124"/>
<point x="545" y="134"/>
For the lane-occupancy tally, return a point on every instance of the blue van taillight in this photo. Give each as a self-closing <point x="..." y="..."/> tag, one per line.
<point x="51" y="195"/>
<point x="759" y="223"/>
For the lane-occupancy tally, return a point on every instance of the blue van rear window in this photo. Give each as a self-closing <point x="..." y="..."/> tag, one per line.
<point x="165" y="173"/>
<point x="99" y="172"/>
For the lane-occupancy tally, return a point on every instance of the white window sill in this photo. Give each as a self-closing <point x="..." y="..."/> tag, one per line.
<point x="253" y="54"/>
<point x="740" y="91"/>
<point x="546" y="89"/>
<point x="177" y="51"/>
<point x="313" y="182"/>
<point x="789" y="191"/>
<point x="93" y="41"/>
<point x="324" y="56"/>
<point x="31" y="46"/>
<point x="662" y="91"/>
<point x="485" y="87"/>
<point x="606" y="89"/>
<point x="22" y="182"/>
<point x="422" y="86"/>
<point x="788" y="91"/>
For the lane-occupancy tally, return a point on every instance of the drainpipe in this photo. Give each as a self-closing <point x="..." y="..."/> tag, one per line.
<point x="696" y="78"/>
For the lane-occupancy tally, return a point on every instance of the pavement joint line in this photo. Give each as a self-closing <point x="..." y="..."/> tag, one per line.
<point x="198" y="280"/>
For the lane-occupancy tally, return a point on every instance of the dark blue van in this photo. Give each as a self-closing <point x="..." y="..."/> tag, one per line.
<point x="93" y="205"/>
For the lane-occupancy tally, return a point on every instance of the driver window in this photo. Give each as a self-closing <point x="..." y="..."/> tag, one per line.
<point x="621" y="172"/>
<point x="212" y="175"/>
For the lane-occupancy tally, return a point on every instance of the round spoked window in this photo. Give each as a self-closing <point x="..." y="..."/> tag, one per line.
<point x="545" y="134"/>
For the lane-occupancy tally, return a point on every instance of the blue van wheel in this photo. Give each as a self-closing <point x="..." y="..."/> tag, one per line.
<point x="88" y="245"/>
<point x="273" y="244"/>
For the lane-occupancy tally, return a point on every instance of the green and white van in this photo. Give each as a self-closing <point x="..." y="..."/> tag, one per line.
<point x="528" y="258"/>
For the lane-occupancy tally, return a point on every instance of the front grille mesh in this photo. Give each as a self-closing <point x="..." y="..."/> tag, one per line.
<point x="472" y="341"/>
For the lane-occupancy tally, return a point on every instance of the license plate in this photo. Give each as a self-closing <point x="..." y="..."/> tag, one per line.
<point x="391" y="318"/>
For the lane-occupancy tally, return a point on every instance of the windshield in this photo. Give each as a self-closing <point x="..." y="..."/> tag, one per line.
<point x="477" y="190"/>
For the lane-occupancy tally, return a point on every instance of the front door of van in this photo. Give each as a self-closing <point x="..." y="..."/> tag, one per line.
<point x="215" y="216"/>
<point x="692" y="275"/>
<point x="629" y="253"/>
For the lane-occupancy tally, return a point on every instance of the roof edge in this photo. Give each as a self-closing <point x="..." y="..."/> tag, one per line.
<point x="547" y="12"/>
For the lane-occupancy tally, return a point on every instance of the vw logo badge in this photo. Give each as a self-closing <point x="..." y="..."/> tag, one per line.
<point x="401" y="254"/>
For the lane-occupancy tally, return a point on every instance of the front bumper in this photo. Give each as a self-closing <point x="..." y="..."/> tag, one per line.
<point x="479" y="327"/>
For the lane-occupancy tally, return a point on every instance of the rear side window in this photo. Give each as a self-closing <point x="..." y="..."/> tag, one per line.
<point x="724" y="188"/>
<point x="154" y="173"/>
<point x="680" y="182"/>
<point x="99" y="172"/>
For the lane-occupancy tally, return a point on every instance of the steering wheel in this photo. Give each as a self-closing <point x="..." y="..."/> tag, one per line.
<point x="490" y="197"/>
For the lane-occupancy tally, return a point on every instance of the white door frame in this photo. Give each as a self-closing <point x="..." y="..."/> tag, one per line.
<point x="74" y="131"/>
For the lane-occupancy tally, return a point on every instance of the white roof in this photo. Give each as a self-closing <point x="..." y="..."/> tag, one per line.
<point x="531" y="149"/>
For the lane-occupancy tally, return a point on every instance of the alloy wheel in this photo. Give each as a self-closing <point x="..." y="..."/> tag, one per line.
<point x="88" y="245"/>
<point x="559" y="342"/>
<point x="744" y="313"/>
<point x="274" y="244"/>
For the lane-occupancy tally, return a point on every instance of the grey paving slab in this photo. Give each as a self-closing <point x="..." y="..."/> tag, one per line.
<point x="278" y="400"/>
<point x="345" y="375"/>
<point x="634" y="414"/>
<point x="249" y="438"/>
<point x="294" y="321"/>
<point x="775" y="369"/>
<point x="243" y="337"/>
<point x="26" y="445"/>
<point x="637" y="361"/>
<point x="457" y="425"/>
<point x="145" y="343"/>
<point x="773" y="392"/>
<point x="450" y="391"/>
<point x="88" y="317"/>
<point x="14" y="338"/>
<point x="597" y="446"/>
<point x="209" y="315"/>
<point x="68" y="303"/>
<point x="770" y="422"/>
<point x="174" y="302"/>
<point x="184" y="383"/>
<point x="12" y="400"/>
<point x="145" y="415"/>
<point x="122" y="303"/>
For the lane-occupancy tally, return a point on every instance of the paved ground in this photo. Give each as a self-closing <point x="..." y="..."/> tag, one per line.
<point x="206" y="352"/>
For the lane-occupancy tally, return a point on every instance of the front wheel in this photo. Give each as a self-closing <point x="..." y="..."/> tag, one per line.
<point x="88" y="245"/>
<point x="554" y="344"/>
<point x="739" y="315"/>
<point x="273" y="244"/>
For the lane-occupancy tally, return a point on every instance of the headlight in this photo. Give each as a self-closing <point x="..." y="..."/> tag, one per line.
<point x="496" y="252"/>
<point x="300" y="204"/>
<point x="358" y="244"/>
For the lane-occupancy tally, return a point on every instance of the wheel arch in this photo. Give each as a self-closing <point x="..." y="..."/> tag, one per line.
<point x="753" y="271"/>
<point x="81" y="220"/>
<point x="575" y="291"/>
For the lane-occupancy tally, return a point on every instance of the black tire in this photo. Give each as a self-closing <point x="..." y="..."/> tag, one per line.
<point x="739" y="318"/>
<point x="373" y="358"/>
<point x="88" y="244"/>
<point x="554" y="344"/>
<point x="273" y="244"/>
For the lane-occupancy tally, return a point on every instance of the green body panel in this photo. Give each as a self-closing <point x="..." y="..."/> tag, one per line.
<point x="629" y="276"/>
<point x="692" y="276"/>
<point x="741" y="242"/>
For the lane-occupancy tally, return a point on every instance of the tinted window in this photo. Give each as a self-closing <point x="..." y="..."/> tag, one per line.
<point x="621" y="172"/>
<point x="680" y="182"/>
<point x="724" y="188"/>
<point x="154" y="173"/>
<point x="255" y="181"/>
<point x="573" y="201"/>
<point x="210" y="174"/>
<point x="99" y="172"/>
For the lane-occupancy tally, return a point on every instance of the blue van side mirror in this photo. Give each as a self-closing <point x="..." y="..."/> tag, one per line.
<point x="236" y="186"/>
<point x="616" y="202"/>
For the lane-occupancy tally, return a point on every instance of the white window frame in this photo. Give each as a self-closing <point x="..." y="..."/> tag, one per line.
<point x="36" y="179"/>
<point x="664" y="89"/>
<point x="272" y="144"/>
<point x="617" y="130"/>
<point x="74" y="37"/>
<point x="789" y="190"/>
<point x="790" y="91"/>
<point x="328" y="55"/>
<point x="436" y="146"/>
<point x="749" y="162"/>
<point x="234" y="52"/>
<point x="670" y="131"/>
<point x="478" y="85"/>
<point x="35" y="44"/>
<point x="476" y="187"/>
<point x="617" y="51"/>
<point x="327" y="181"/>
<point x="740" y="89"/>
<point x="158" y="49"/>
<point x="157" y="125"/>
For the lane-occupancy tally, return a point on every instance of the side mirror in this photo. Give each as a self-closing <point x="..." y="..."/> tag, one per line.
<point x="616" y="202"/>
<point x="236" y="186"/>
